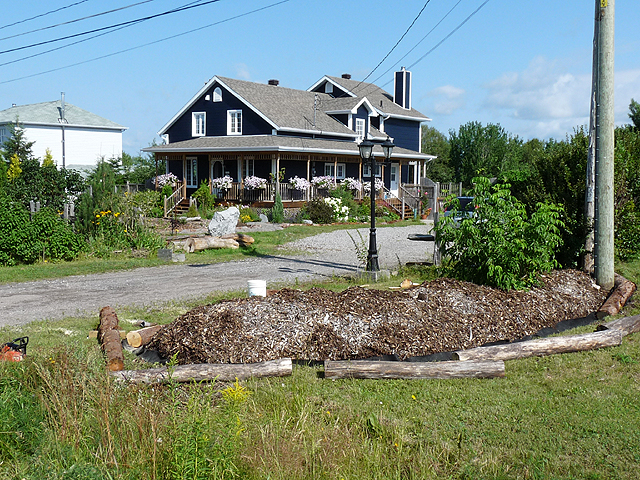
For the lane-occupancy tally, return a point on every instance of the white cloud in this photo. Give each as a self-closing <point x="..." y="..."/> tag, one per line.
<point x="447" y="99"/>
<point x="545" y="100"/>
<point x="242" y="71"/>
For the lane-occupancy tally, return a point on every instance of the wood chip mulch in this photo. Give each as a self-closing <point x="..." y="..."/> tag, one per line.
<point x="438" y="316"/>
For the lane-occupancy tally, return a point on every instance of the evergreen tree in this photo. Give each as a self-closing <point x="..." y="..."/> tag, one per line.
<point x="634" y="114"/>
<point x="17" y="144"/>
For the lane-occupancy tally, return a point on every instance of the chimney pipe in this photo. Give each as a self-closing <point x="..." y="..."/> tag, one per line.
<point x="274" y="82"/>
<point x="346" y="76"/>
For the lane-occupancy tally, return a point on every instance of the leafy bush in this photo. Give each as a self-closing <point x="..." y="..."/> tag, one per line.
<point x="248" y="214"/>
<point x="498" y="245"/>
<point x="318" y="211"/>
<point x="277" y="212"/>
<point x="206" y="200"/>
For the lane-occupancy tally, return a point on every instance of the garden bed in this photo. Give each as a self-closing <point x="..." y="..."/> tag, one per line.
<point x="438" y="316"/>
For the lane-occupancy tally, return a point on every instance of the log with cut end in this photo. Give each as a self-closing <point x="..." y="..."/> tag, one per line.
<point x="411" y="370"/>
<point x="109" y="338"/>
<point x="224" y="372"/>
<point x="241" y="238"/>
<point x="542" y="347"/>
<point x="626" y="325"/>
<point x="137" y="338"/>
<point x="621" y="293"/>
<point x="197" y="244"/>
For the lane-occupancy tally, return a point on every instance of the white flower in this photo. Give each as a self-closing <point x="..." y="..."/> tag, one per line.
<point x="299" y="183"/>
<point x="252" y="182"/>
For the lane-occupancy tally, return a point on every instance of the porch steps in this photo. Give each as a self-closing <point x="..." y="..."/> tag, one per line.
<point x="181" y="209"/>
<point x="395" y="204"/>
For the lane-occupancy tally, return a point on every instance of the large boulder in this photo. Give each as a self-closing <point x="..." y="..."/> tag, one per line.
<point x="224" y="222"/>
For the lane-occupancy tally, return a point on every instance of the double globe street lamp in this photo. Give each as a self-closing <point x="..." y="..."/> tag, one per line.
<point x="366" y="153"/>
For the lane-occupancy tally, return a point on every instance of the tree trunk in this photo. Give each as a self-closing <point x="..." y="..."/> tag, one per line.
<point x="542" y="347"/>
<point x="224" y="372"/>
<point x="137" y="338"/>
<point x="197" y="244"/>
<point x="109" y="338"/>
<point x="626" y="325"/>
<point x="622" y="291"/>
<point x="411" y="370"/>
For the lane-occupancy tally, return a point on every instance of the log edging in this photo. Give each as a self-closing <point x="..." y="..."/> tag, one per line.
<point x="622" y="291"/>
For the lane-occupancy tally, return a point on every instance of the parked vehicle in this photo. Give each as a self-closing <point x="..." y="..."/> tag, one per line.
<point x="463" y="209"/>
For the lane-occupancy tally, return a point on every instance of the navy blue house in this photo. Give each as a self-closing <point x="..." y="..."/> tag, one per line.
<point x="239" y="128"/>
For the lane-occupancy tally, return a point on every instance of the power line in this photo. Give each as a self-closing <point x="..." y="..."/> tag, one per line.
<point x="449" y="35"/>
<point x="146" y="44"/>
<point x="76" y="20"/>
<point x="416" y="45"/>
<point x="175" y="10"/>
<point x="43" y="14"/>
<point x="77" y="42"/>
<point x="398" y="42"/>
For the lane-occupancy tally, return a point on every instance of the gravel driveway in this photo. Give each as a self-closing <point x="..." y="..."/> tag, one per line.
<point x="321" y="256"/>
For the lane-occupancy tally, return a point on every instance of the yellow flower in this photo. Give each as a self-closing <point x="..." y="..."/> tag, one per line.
<point x="413" y="396"/>
<point x="97" y="215"/>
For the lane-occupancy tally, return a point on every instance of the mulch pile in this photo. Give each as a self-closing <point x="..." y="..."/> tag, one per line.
<point x="438" y="316"/>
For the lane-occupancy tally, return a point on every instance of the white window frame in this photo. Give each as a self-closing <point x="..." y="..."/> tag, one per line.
<point x="191" y="172"/>
<point x="198" y="124"/>
<point x="217" y="94"/>
<point x="366" y="170"/>
<point x="234" y="122"/>
<point x="248" y="167"/>
<point x="328" y="88"/>
<point x="329" y="170"/>
<point x="360" y="128"/>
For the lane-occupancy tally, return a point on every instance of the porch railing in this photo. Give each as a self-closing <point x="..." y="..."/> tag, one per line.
<point x="171" y="202"/>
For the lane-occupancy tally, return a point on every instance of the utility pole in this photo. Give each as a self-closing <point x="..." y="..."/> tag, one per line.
<point x="590" y="192"/>
<point x="604" y="225"/>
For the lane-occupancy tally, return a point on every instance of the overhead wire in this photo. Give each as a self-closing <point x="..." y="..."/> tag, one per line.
<point x="42" y="14"/>
<point x="146" y="44"/>
<point x="149" y="17"/>
<point x="397" y="43"/>
<point x="76" y="20"/>
<point x="77" y="42"/>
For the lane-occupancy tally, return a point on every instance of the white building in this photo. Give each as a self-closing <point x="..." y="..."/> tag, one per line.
<point x="81" y="137"/>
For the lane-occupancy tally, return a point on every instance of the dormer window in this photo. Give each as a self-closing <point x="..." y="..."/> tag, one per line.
<point x="217" y="94"/>
<point x="360" y="128"/>
<point x="234" y="122"/>
<point x="198" y="124"/>
<point x="328" y="87"/>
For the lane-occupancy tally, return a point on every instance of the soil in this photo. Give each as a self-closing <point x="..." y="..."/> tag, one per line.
<point x="438" y="316"/>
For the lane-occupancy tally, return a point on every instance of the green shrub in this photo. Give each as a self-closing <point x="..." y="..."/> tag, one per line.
<point x="318" y="211"/>
<point x="206" y="200"/>
<point x="627" y="231"/>
<point x="499" y="245"/>
<point x="248" y="214"/>
<point x="277" y="212"/>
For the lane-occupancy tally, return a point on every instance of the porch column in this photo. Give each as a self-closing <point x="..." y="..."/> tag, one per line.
<point x="240" y="165"/>
<point x="277" y="172"/>
<point x="308" y="167"/>
<point x="335" y="171"/>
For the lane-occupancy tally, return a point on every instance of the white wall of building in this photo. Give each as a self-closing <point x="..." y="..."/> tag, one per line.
<point x="83" y="146"/>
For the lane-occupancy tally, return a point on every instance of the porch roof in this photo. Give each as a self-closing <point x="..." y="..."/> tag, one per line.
<point x="276" y="143"/>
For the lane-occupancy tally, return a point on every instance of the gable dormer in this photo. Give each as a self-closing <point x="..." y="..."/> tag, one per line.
<point x="331" y="87"/>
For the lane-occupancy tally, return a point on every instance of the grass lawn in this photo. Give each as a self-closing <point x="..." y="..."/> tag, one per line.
<point x="265" y="244"/>
<point x="569" y="416"/>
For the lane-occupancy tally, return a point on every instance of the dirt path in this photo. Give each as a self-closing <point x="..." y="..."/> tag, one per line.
<point x="326" y="255"/>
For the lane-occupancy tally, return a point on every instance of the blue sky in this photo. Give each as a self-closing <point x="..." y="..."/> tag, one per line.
<point x="524" y="65"/>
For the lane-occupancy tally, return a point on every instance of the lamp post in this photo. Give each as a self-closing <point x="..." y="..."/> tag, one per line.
<point x="366" y="153"/>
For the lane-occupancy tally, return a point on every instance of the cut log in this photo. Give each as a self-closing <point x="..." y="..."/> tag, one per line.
<point x="109" y="338"/>
<point x="241" y="238"/>
<point x="626" y="325"/>
<point x="411" y="370"/>
<point x="622" y="291"/>
<point x="94" y="334"/>
<point x="197" y="244"/>
<point x="137" y="338"/>
<point x="542" y="347"/>
<point x="224" y="372"/>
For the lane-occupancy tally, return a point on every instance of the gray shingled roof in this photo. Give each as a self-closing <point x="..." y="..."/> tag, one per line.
<point x="375" y="95"/>
<point x="48" y="113"/>
<point x="273" y="143"/>
<point x="287" y="107"/>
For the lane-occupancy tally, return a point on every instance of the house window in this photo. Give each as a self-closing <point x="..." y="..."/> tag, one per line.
<point x="366" y="170"/>
<point x="234" y="122"/>
<point x="4" y="136"/>
<point x="328" y="87"/>
<point x="197" y="124"/>
<point x="191" y="171"/>
<point x="360" y="128"/>
<point x="247" y="167"/>
<point x="217" y="94"/>
<point x="330" y="170"/>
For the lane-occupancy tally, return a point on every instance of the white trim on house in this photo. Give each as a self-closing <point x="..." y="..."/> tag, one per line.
<point x="335" y="84"/>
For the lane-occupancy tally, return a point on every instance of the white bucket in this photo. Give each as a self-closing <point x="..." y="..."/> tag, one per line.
<point x="257" y="288"/>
